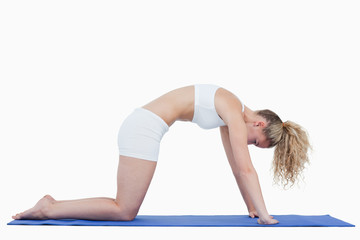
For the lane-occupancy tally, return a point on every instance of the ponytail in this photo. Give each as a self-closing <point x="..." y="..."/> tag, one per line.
<point x="291" y="154"/>
<point x="291" y="147"/>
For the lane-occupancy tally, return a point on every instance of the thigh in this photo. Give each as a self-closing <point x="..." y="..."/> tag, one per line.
<point x="133" y="180"/>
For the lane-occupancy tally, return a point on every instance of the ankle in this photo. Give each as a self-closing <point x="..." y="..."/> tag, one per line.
<point x="47" y="210"/>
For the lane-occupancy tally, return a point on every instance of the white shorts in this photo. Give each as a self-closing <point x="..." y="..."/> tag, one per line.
<point x="140" y="135"/>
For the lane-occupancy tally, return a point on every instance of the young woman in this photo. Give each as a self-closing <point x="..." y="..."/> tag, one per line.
<point x="209" y="106"/>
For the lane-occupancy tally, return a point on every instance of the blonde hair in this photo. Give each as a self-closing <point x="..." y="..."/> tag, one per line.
<point x="291" y="143"/>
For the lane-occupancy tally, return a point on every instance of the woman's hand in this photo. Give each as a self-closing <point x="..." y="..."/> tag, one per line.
<point x="267" y="221"/>
<point x="254" y="214"/>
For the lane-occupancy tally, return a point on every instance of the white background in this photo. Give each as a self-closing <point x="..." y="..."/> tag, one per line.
<point x="71" y="71"/>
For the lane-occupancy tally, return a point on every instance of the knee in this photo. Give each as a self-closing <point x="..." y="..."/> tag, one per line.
<point x="131" y="213"/>
<point x="126" y="215"/>
<point x="129" y="216"/>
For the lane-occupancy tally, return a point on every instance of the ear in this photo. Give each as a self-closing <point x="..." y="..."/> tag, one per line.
<point x="259" y="124"/>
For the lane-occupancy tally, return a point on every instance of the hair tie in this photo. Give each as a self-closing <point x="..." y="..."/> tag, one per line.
<point x="283" y="124"/>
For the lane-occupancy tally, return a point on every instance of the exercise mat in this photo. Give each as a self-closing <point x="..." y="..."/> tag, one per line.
<point x="198" y="221"/>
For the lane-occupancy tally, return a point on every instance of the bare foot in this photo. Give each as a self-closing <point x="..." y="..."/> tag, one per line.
<point x="38" y="211"/>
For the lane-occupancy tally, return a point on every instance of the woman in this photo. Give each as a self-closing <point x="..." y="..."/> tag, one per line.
<point x="209" y="106"/>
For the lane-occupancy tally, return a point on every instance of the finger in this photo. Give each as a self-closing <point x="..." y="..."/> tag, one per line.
<point x="271" y="217"/>
<point x="252" y="215"/>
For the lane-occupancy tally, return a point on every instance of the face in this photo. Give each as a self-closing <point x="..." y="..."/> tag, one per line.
<point x="255" y="134"/>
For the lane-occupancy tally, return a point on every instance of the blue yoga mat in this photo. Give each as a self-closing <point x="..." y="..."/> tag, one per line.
<point x="198" y="221"/>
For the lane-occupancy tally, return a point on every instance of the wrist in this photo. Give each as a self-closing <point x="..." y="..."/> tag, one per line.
<point x="251" y="210"/>
<point x="264" y="215"/>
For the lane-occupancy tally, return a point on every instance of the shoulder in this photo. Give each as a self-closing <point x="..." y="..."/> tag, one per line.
<point x="228" y="106"/>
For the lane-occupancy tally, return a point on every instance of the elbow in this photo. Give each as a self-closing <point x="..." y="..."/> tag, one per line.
<point x="245" y="172"/>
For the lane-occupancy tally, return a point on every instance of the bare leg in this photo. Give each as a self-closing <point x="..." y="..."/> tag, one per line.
<point x="134" y="178"/>
<point x="49" y="208"/>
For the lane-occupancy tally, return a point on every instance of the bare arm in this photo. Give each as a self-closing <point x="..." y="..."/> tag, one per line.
<point x="229" y="108"/>
<point x="224" y="130"/>
<point x="243" y="170"/>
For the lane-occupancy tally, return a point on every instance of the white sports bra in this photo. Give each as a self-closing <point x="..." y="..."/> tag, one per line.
<point x="205" y="114"/>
